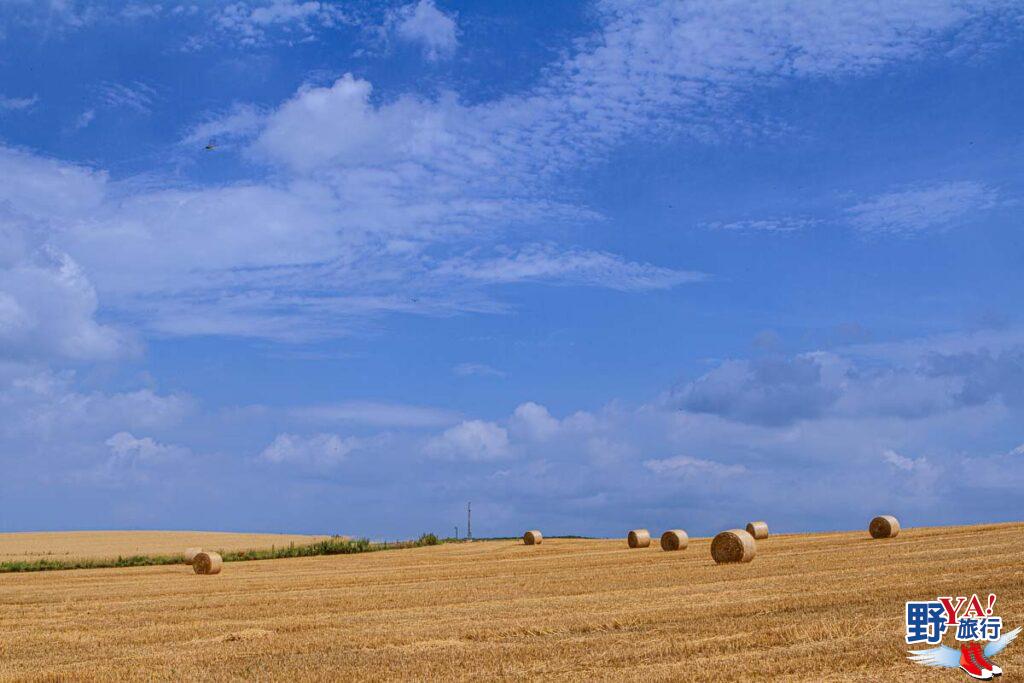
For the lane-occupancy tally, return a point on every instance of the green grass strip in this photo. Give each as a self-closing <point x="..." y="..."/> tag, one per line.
<point x="336" y="545"/>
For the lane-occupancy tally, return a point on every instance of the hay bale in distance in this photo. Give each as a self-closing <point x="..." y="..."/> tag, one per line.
<point x="884" y="526"/>
<point x="532" y="537"/>
<point x="735" y="545"/>
<point x="190" y="554"/>
<point x="639" y="538"/>
<point x="207" y="563"/>
<point x="758" y="530"/>
<point x="674" y="539"/>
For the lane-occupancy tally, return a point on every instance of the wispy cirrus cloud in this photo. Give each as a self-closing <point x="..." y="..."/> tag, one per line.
<point x="84" y="119"/>
<point x="136" y="96"/>
<point x="546" y="263"/>
<point x="17" y="103"/>
<point x="318" y="451"/>
<point x="768" y="225"/>
<point x="477" y="369"/>
<point x="922" y="209"/>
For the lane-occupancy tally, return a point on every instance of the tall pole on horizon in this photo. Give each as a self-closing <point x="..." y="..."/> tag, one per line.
<point x="469" y="520"/>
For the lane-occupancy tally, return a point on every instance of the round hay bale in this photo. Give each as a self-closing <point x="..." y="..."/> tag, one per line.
<point x="190" y="554"/>
<point x="532" y="537"/>
<point x="884" y="526"/>
<point x="735" y="545"/>
<point x="758" y="530"/>
<point x="674" y="539"/>
<point x="207" y="563"/>
<point x="639" y="538"/>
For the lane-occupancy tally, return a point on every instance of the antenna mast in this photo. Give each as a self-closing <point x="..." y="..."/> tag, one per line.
<point x="469" y="521"/>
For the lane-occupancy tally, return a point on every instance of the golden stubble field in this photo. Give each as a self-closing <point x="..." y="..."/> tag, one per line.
<point x="810" y="607"/>
<point x="73" y="545"/>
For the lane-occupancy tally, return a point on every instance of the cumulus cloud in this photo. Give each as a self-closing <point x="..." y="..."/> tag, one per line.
<point x="377" y="414"/>
<point x="338" y="124"/>
<point x="782" y="390"/>
<point x="424" y="24"/>
<point x="48" y="309"/>
<point x="987" y="374"/>
<point x="130" y="451"/>
<point x="318" y="450"/>
<point x="471" y="440"/>
<point x="917" y="210"/>
<point x="48" y="306"/>
<point x="52" y="432"/>
<point x="42" y="188"/>
<point x="767" y="391"/>
<point x="534" y="421"/>
<point x="898" y="461"/>
<point x="580" y="470"/>
<point x="130" y="460"/>
<point x="42" y="404"/>
<point x="686" y="466"/>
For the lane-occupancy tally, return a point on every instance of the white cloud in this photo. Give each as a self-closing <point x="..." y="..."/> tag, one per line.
<point x="241" y="121"/>
<point x="129" y="451"/>
<point x="377" y="414"/>
<point x="545" y="263"/>
<point x="686" y="466"/>
<point x="534" y="422"/>
<point x="84" y="119"/>
<point x="913" y="211"/>
<point x="478" y="369"/>
<point x="48" y="309"/>
<point x="138" y="11"/>
<point x="370" y="206"/>
<point x="41" y="188"/>
<point x="40" y="408"/>
<point x="319" y="450"/>
<point x="136" y="96"/>
<point x="471" y="440"/>
<point x="922" y="476"/>
<point x="131" y="460"/>
<point x="775" y="225"/>
<point x="338" y="125"/>
<point x="17" y="103"/>
<point x="896" y="460"/>
<point x="258" y="21"/>
<point x="423" y="23"/>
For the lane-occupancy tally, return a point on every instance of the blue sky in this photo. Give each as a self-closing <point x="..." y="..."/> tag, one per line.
<point x="592" y="266"/>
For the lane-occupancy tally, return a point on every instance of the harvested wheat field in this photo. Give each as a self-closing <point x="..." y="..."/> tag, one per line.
<point x="77" y="545"/>
<point x="809" y="607"/>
